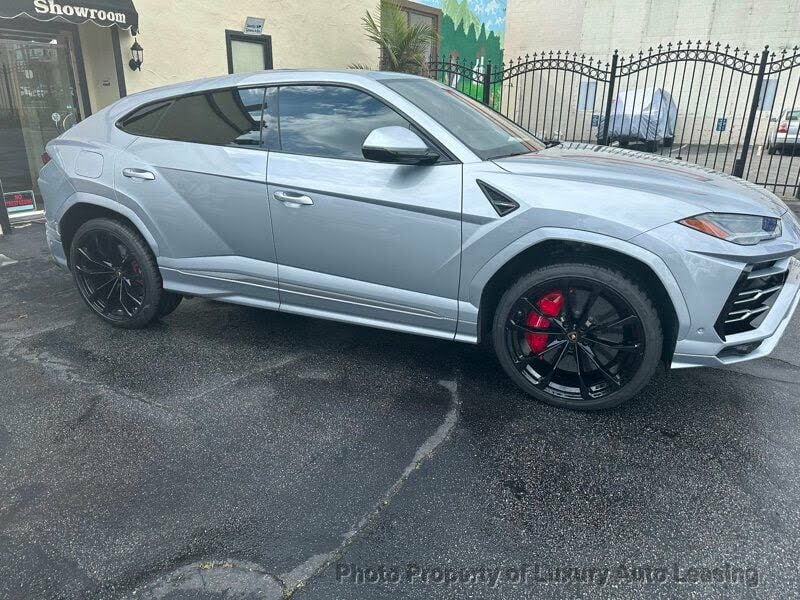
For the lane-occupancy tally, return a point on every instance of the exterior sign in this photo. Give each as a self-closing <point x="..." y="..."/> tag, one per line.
<point x="48" y="7"/>
<point x="19" y="201"/>
<point x="722" y="124"/>
<point x="253" y="26"/>
<point x="102" y="12"/>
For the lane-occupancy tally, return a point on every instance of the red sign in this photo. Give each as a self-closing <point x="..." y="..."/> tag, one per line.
<point x="20" y="201"/>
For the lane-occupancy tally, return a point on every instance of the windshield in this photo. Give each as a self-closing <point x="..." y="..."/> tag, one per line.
<point x="487" y="133"/>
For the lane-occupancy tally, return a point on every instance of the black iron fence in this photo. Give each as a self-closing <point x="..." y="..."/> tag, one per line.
<point x="716" y="106"/>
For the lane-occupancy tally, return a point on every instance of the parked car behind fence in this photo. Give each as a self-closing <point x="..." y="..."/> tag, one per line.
<point x="645" y="115"/>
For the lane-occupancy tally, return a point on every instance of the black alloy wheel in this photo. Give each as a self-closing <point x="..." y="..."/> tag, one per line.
<point x="116" y="273"/>
<point x="579" y="336"/>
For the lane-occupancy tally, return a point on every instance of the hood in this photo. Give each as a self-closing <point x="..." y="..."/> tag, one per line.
<point x="709" y="190"/>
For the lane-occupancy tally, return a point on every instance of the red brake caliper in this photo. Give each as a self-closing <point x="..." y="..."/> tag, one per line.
<point x="550" y="304"/>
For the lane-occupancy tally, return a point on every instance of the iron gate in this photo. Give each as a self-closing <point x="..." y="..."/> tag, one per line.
<point x="715" y="106"/>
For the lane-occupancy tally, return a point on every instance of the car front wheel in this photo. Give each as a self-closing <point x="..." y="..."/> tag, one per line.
<point x="578" y="336"/>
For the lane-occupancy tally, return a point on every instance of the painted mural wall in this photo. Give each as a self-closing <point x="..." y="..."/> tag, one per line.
<point x="472" y="30"/>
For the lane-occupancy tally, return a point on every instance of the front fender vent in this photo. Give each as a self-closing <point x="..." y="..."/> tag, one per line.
<point x="752" y="297"/>
<point x="501" y="203"/>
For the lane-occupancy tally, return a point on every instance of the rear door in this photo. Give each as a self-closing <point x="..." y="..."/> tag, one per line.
<point x="198" y="169"/>
<point x="371" y="242"/>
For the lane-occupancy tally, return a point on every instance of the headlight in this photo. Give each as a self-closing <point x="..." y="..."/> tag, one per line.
<point x="745" y="230"/>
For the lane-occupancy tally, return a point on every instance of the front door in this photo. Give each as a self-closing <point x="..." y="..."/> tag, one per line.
<point x="38" y="101"/>
<point x="374" y="242"/>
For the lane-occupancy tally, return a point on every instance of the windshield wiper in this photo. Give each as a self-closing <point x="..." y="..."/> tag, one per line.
<point x="552" y="143"/>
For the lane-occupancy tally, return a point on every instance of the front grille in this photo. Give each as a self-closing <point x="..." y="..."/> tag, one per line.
<point x="752" y="297"/>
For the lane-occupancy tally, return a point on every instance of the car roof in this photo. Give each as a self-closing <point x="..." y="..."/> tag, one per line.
<point x="274" y="76"/>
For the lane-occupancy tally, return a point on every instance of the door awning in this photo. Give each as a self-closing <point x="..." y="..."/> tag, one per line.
<point x="101" y="12"/>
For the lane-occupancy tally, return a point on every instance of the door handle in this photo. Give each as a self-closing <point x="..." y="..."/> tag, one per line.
<point x="292" y="198"/>
<point x="138" y="174"/>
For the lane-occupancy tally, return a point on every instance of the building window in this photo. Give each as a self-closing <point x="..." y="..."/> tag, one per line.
<point x="587" y="92"/>
<point x="420" y="14"/>
<point x="766" y="100"/>
<point x="248" y="53"/>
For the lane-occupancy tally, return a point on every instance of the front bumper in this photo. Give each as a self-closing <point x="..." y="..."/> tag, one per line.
<point x="763" y="339"/>
<point x="707" y="272"/>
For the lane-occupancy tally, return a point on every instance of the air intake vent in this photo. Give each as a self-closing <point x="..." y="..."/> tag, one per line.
<point x="751" y="298"/>
<point x="501" y="203"/>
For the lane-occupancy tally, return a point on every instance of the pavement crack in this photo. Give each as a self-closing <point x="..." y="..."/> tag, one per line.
<point x="761" y="377"/>
<point x="299" y="577"/>
<point x="284" y="361"/>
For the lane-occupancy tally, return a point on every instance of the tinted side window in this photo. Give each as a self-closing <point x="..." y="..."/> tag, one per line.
<point x="331" y="121"/>
<point x="226" y="117"/>
<point x="144" y="120"/>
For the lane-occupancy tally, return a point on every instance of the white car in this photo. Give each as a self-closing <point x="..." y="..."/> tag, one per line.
<point x="785" y="132"/>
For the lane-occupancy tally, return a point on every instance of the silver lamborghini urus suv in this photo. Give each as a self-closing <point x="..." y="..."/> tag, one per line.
<point x="394" y="201"/>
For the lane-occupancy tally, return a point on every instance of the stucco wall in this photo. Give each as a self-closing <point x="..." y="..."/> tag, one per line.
<point x="597" y="27"/>
<point x="185" y="39"/>
<point x="101" y="72"/>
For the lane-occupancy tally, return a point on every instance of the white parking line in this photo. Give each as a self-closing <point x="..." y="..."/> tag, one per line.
<point x="5" y="261"/>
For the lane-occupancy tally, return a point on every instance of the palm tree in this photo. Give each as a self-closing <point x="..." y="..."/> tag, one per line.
<point x="404" y="47"/>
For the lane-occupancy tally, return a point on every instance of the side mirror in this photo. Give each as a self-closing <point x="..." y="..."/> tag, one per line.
<point x="397" y="145"/>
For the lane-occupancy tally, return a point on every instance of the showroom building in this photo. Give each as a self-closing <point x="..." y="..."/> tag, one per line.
<point x="62" y="60"/>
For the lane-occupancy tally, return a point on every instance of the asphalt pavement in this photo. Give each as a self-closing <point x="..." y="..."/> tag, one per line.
<point x="229" y="452"/>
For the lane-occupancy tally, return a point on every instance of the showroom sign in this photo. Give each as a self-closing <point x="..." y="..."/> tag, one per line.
<point x="101" y="12"/>
<point x="48" y="7"/>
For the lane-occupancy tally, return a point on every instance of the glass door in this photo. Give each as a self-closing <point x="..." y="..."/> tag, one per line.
<point x="38" y="101"/>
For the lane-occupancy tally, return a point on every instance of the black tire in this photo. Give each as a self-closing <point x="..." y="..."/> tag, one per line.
<point x="623" y="143"/>
<point x="771" y="150"/>
<point x="668" y="141"/>
<point x="651" y="146"/>
<point x="620" y="289"/>
<point x="135" y="292"/>
<point x="169" y="302"/>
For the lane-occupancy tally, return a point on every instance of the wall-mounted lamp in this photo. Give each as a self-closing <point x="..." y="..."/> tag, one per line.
<point x="137" y="56"/>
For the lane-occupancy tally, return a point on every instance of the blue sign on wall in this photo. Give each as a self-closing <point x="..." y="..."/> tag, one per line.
<point x="722" y="124"/>
<point x="595" y="120"/>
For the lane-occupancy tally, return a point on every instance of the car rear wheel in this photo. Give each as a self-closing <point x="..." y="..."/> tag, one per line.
<point x="116" y="273"/>
<point x="578" y="336"/>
